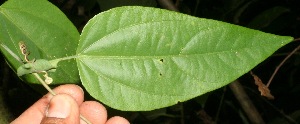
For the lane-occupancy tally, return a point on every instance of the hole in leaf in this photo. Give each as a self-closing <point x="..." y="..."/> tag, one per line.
<point x="161" y="60"/>
<point x="160" y="74"/>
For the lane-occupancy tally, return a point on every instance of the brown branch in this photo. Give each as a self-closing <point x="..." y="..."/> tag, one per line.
<point x="282" y="62"/>
<point x="168" y="4"/>
<point x="246" y="103"/>
<point x="284" y="54"/>
<point x="297" y="39"/>
<point x="285" y="116"/>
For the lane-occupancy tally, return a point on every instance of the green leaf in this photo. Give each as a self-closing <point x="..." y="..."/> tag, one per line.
<point x="137" y="58"/>
<point x="47" y="33"/>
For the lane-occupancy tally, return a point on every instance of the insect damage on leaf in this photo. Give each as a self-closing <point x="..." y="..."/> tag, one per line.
<point x="24" y="51"/>
<point x="36" y="66"/>
<point x="263" y="89"/>
<point x="48" y="79"/>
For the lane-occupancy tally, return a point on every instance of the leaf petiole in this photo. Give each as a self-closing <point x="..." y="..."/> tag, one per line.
<point x="53" y="93"/>
<point x="44" y="83"/>
<point x="65" y="58"/>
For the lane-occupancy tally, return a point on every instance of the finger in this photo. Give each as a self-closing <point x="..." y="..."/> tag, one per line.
<point x="62" y="109"/>
<point x="94" y="112"/>
<point x="117" y="120"/>
<point x="73" y="90"/>
<point x="36" y="112"/>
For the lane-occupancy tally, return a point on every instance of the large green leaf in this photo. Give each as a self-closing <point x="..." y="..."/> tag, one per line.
<point x="137" y="58"/>
<point x="46" y="31"/>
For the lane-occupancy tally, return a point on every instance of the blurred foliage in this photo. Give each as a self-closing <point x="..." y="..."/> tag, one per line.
<point x="281" y="17"/>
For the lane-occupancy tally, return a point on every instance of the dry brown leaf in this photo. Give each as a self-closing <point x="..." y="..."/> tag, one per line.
<point x="262" y="88"/>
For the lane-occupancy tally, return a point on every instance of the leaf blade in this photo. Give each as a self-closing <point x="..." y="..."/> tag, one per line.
<point x="149" y="58"/>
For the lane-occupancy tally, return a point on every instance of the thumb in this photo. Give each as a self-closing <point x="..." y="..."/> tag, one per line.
<point x="62" y="109"/>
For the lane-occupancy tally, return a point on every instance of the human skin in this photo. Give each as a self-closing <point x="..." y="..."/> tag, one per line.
<point x="65" y="108"/>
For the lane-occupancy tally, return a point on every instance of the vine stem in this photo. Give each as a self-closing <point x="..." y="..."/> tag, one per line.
<point x="282" y="62"/>
<point x="53" y="93"/>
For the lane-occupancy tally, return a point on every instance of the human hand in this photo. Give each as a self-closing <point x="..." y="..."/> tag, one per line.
<point x="65" y="108"/>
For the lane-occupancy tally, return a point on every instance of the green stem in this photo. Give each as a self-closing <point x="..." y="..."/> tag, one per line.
<point x="69" y="57"/>
<point x="66" y="58"/>
<point x="44" y="84"/>
<point x="53" y="93"/>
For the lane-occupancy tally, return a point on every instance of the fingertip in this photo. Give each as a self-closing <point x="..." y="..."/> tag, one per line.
<point x="71" y="89"/>
<point x="117" y="120"/>
<point x="62" y="107"/>
<point x="94" y="111"/>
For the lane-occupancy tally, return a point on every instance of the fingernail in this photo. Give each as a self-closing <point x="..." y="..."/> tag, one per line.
<point x="59" y="107"/>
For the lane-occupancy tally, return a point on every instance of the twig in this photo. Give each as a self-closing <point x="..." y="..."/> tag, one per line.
<point x="205" y="117"/>
<point x="246" y="103"/>
<point x="285" y="54"/>
<point x="182" y="114"/>
<point x="168" y="4"/>
<point x="286" y="117"/>
<point x="53" y="93"/>
<point x="220" y="105"/>
<point x="282" y="62"/>
<point x="196" y="7"/>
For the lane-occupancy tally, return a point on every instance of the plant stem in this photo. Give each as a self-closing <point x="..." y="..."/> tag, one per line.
<point x="53" y="93"/>
<point x="44" y="84"/>
<point x="168" y="4"/>
<point x="66" y="58"/>
<point x="182" y="113"/>
<point x="220" y="105"/>
<point x="285" y="116"/>
<point x="246" y="103"/>
<point x="281" y="63"/>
